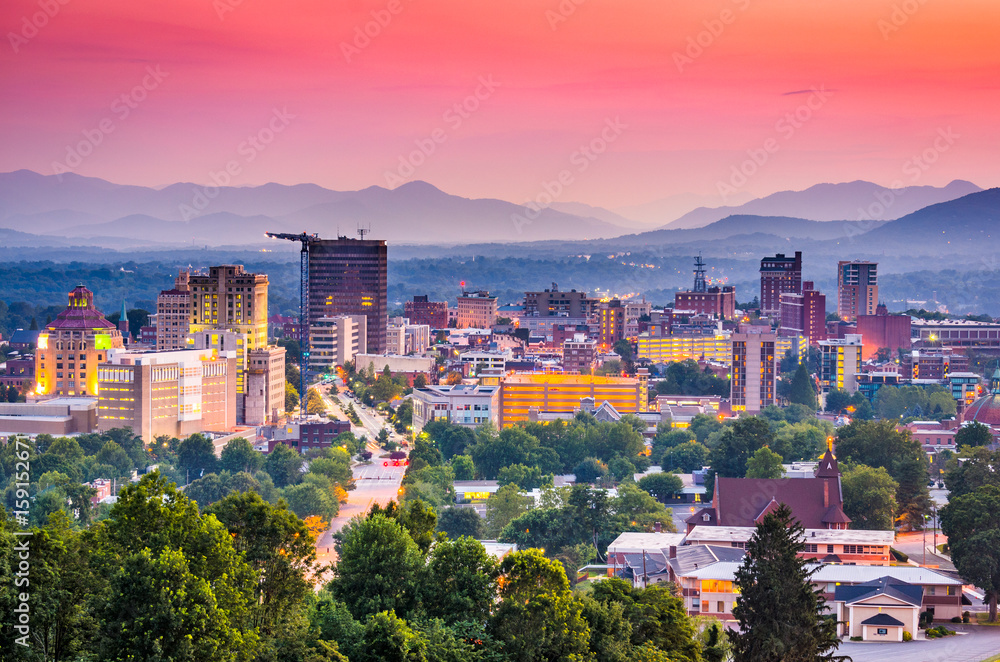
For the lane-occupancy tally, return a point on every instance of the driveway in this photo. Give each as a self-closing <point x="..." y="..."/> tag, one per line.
<point x="979" y="644"/>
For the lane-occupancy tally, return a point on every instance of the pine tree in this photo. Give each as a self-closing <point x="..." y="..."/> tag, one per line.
<point x="801" y="391"/>
<point x="779" y="610"/>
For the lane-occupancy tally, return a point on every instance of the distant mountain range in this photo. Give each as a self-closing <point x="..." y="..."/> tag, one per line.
<point x="78" y="211"/>
<point x="833" y="202"/>
<point x="188" y="214"/>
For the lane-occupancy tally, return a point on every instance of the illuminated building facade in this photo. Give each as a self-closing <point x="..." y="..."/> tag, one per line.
<point x="71" y="346"/>
<point x="673" y="348"/>
<point x="521" y="393"/>
<point x="840" y="363"/>
<point x="174" y="393"/>
<point x="857" y="289"/>
<point x="348" y="277"/>
<point x="265" y="397"/>
<point x="612" y="323"/>
<point x="173" y="314"/>
<point x="421" y="311"/>
<point x="477" y="310"/>
<point x="779" y="274"/>
<point x="754" y="371"/>
<point x="229" y="299"/>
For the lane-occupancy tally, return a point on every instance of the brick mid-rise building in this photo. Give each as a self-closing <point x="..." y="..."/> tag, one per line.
<point x="432" y="313"/>
<point x="779" y="274"/>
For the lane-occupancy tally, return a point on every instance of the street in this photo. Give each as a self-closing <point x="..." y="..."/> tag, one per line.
<point x="374" y="482"/>
<point x="981" y="643"/>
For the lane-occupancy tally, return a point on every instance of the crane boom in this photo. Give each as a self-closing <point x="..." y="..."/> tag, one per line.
<point x="305" y="239"/>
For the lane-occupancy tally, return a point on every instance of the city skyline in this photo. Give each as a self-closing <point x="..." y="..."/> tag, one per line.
<point x="634" y="105"/>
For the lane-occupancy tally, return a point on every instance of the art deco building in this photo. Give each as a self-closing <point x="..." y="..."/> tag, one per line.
<point x="71" y="346"/>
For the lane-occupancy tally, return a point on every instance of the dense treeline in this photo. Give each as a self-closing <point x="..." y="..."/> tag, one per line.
<point x="161" y="579"/>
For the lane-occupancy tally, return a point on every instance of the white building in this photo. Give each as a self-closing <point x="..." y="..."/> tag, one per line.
<point x="487" y="359"/>
<point x="336" y="340"/>
<point x="840" y="363"/>
<point x="462" y="404"/>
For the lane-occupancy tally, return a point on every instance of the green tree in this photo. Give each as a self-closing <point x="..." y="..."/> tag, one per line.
<point x="172" y="573"/>
<point x="112" y="454"/>
<point x="378" y="568"/>
<point x="196" y="456"/>
<point x="159" y="609"/>
<point x="503" y="506"/>
<point x="306" y="499"/>
<point x="590" y="470"/>
<point x="738" y="443"/>
<point x="972" y="523"/>
<point x="973" y="434"/>
<point x="458" y="522"/>
<point x="527" y="478"/>
<point x="238" y="455"/>
<point x="837" y="401"/>
<point x="662" y="486"/>
<point x="283" y="465"/>
<point x="802" y="391"/>
<point x="657" y="618"/>
<point x="621" y="469"/>
<point x="537" y="618"/>
<point x="880" y="444"/>
<point x="687" y="457"/>
<point x="207" y="490"/>
<point x="463" y="467"/>
<point x="291" y="398"/>
<point x="279" y="548"/>
<point x="979" y="469"/>
<point x="780" y="611"/>
<point x="869" y="497"/>
<point x="765" y="463"/>
<point x="389" y="638"/>
<point x="460" y="581"/>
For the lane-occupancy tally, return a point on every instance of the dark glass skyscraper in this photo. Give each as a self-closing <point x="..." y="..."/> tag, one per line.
<point x="348" y="277"/>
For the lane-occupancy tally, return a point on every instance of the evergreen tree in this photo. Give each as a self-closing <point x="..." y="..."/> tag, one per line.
<point x="780" y="612"/>
<point x="802" y="391"/>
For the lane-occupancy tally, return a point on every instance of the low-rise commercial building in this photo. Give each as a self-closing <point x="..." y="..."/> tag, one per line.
<point x="58" y="417"/>
<point x="174" y="393"/>
<point x="520" y="393"/>
<point x="461" y="404"/>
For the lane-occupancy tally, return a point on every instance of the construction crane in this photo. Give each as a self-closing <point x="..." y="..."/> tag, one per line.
<point x="305" y="239"/>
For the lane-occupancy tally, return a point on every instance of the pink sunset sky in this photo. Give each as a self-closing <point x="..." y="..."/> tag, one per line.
<point x="893" y="75"/>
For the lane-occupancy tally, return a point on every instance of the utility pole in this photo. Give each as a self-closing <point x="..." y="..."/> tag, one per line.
<point x="305" y="239"/>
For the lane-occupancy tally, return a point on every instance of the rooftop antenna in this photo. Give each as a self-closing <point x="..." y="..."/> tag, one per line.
<point x="363" y="230"/>
<point x="699" y="275"/>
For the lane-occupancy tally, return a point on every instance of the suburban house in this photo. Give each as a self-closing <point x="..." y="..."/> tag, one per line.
<point x="879" y="610"/>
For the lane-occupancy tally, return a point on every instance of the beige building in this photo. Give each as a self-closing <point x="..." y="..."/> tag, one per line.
<point x="230" y="299"/>
<point x="265" y="398"/>
<point x="334" y="341"/>
<point x="174" y="393"/>
<point x="754" y="371"/>
<point x="173" y="315"/>
<point x="462" y="404"/>
<point x="840" y="363"/>
<point x="477" y="310"/>
<point x="72" y="345"/>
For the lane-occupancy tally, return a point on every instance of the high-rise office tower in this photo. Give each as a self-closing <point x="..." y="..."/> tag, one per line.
<point x="754" y="376"/>
<point x="779" y="275"/>
<point x="229" y="299"/>
<point x="348" y="277"/>
<point x="857" y="289"/>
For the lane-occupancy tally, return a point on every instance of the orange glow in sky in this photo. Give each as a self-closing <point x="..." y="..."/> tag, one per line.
<point x="499" y="97"/>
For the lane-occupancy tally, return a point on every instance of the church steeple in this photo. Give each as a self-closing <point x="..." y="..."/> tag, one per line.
<point x="828" y="467"/>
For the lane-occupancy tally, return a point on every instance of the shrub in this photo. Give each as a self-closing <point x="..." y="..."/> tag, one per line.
<point x="957" y="619"/>
<point x="857" y="638"/>
<point x="898" y="555"/>
<point x="965" y="617"/>
<point x="907" y="636"/>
